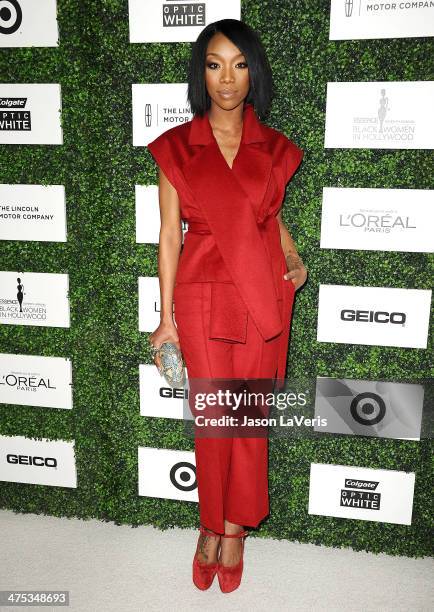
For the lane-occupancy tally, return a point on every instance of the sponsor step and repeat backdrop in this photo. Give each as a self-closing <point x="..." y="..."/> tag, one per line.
<point x="366" y="114"/>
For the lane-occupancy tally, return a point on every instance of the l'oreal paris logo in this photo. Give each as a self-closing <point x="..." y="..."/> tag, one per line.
<point x="373" y="222"/>
<point x="25" y="382"/>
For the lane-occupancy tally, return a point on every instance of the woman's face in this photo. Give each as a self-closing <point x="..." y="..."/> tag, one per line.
<point x="226" y="72"/>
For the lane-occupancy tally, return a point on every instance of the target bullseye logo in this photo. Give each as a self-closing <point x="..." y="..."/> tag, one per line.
<point x="11" y="16"/>
<point x="368" y="408"/>
<point x="183" y="476"/>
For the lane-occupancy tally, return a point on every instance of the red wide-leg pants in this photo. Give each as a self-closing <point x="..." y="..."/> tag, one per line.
<point x="232" y="473"/>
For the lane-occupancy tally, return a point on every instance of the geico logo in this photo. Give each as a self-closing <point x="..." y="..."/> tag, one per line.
<point x="359" y="484"/>
<point x="175" y="393"/>
<point x="28" y="460"/>
<point x="376" y="316"/>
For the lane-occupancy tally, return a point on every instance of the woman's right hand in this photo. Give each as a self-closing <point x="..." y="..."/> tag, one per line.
<point x="165" y="332"/>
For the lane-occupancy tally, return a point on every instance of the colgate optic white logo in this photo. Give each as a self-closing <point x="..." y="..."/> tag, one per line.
<point x="185" y="14"/>
<point x="362" y="497"/>
<point x="14" y="120"/>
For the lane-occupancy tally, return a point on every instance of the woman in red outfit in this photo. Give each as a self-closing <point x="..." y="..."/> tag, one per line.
<point x="233" y="287"/>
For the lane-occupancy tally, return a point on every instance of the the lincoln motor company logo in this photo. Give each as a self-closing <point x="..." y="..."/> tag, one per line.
<point x="360" y="494"/>
<point x="12" y="116"/>
<point x="11" y="16"/>
<point x="349" y="5"/>
<point x="148" y="115"/>
<point x="381" y="128"/>
<point x="166" y="115"/>
<point x="379" y="8"/>
<point x="181" y="14"/>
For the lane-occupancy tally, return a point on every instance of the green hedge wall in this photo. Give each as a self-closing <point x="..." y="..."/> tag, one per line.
<point x="96" y="65"/>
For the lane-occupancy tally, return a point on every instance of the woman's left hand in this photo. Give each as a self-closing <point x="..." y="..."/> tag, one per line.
<point x="297" y="272"/>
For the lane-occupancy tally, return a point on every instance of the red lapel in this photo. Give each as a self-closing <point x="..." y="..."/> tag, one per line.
<point x="230" y="201"/>
<point x="252" y="165"/>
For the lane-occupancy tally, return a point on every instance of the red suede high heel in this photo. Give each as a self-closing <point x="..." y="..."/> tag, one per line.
<point x="203" y="573"/>
<point x="229" y="576"/>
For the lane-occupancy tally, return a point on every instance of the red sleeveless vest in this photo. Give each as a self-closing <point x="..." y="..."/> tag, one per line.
<point x="233" y="237"/>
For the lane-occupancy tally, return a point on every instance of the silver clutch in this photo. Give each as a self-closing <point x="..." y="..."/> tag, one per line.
<point x="172" y="366"/>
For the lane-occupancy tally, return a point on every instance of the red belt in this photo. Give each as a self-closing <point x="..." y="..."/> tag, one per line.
<point x="201" y="227"/>
<point x="198" y="227"/>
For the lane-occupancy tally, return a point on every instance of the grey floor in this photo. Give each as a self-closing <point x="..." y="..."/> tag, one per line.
<point x="107" y="568"/>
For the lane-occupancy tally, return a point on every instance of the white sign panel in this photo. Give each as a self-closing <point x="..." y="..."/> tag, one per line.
<point x="376" y="408"/>
<point x="379" y="316"/>
<point x="30" y="113"/>
<point x="34" y="298"/>
<point x="26" y="23"/>
<point x="158" y="107"/>
<point x="45" y="462"/>
<point x="361" y="493"/>
<point x="157" y="398"/>
<point x="360" y="19"/>
<point x="147" y="214"/>
<point x="170" y="474"/>
<point x="148" y="220"/>
<point x="33" y="380"/>
<point x="380" y="115"/>
<point x="176" y="20"/>
<point x="149" y="303"/>
<point x="377" y="219"/>
<point x="33" y="212"/>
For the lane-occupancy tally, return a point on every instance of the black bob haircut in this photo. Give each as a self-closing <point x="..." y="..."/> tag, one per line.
<point x="248" y="42"/>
